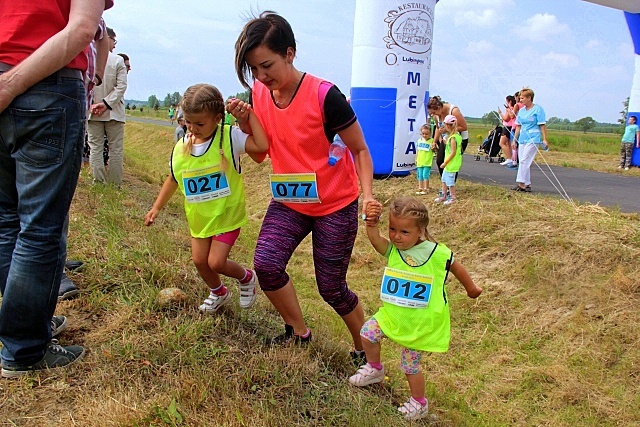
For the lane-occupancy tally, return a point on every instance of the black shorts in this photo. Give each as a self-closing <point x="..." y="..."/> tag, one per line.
<point x="506" y="131"/>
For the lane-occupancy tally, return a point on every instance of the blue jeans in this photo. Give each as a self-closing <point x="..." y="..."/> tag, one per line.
<point x="41" y="141"/>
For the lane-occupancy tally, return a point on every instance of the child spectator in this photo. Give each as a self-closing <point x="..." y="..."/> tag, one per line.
<point x="424" y="159"/>
<point x="180" y="132"/>
<point x="452" y="161"/>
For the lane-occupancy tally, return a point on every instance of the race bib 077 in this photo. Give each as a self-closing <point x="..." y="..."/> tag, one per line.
<point x="294" y="187"/>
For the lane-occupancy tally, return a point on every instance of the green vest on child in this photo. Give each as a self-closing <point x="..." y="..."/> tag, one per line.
<point x="214" y="199"/>
<point x="424" y="152"/>
<point x="456" y="163"/>
<point x="423" y="329"/>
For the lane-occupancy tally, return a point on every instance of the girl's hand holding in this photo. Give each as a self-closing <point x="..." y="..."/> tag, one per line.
<point x="372" y="211"/>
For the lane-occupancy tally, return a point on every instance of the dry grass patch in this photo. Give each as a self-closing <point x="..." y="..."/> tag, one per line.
<point x="553" y="341"/>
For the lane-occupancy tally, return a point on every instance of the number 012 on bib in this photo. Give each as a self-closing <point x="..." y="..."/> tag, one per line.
<point x="405" y="289"/>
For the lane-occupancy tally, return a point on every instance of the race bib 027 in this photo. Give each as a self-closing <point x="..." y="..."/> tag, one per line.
<point x="205" y="184"/>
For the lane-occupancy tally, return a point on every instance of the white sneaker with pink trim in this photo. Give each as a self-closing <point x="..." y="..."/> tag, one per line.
<point x="248" y="291"/>
<point x="367" y="375"/>
<point x="413" y="410"/>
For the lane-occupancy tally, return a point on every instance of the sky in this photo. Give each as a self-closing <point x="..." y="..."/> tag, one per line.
<point x="577" y="56"/>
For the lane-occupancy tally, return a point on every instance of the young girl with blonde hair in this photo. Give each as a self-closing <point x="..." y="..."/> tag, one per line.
<point x="415" y="308"/>
<point x="424" y="158"/>
<point x="205" y="166"/>
<point x="452" y="161"/>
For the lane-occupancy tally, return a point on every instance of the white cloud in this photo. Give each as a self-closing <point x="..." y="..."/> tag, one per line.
<point x="543" y="26"/>
<point x="479" y="4"/>
<point x="479" y="13"/>
<point x="593" y="44"/>
<point x="610" y="73"/>
<point x="481" y="47"/>
<point x="625" y="49"/>
<point x="486" y="18"/>
<point x="564" y="60"/>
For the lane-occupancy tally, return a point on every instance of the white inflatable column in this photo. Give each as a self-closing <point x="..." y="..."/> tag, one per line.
<point x="390" y="78"/>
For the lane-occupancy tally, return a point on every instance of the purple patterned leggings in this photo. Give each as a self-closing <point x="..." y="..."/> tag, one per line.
<point x="410" y="362"/>
<point x="333" y="237"/>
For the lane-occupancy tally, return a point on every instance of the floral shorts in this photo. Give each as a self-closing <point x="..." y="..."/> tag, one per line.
<point x="410" y="362"/>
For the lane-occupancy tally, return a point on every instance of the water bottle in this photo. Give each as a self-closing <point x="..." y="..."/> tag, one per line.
<point x="544" y="147"/>
<point x="336" y="150"/>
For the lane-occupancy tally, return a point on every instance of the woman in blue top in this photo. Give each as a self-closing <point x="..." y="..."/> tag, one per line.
<point x="531" y="130"/>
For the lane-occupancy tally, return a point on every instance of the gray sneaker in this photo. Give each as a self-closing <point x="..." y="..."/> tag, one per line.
<point x="68" y="289"/>
<point x="58" y="324"/>
<point x="56" y="356"/>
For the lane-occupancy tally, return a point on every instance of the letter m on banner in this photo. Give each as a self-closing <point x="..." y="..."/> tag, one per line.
<point x="413" y="78"/>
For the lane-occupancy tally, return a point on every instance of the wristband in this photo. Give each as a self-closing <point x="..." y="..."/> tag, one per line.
<point x="98" y="78"/>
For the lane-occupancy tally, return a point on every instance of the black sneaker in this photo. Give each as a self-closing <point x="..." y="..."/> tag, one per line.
<point x="68" y="289"/>
<point x="56" y="356"/>
<point x="358" y="358"/>
<point x="72" y="265"/>
<point x="289" y="338"/>
<point x="58" y="324"/>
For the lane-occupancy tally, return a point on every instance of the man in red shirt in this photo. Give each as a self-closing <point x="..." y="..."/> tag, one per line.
<point x="42" y="116"/>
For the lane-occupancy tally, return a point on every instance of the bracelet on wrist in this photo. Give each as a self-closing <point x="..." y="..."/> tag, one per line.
<point x="97" y="80"/>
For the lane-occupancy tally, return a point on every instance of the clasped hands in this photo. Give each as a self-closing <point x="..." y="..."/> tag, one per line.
<point x="238" y="109"/>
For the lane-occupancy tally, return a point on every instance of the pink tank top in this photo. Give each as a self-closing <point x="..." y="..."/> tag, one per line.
<point x="298" y="144"/>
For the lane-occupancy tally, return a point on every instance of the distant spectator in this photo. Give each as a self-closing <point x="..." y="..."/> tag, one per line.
<point x="180" y="129"/>
<point x="631" y="132"/>
<point x="508" y="123"/>
<point x="531" y="130"/>
<point x="108" y="117"/>
<point x="172" y="113"/>
<point x="127" y="63"/>
<point x="514" y="141"/>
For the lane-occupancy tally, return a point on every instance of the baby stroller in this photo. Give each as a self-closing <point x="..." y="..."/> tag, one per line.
<point x="490" y="147"/>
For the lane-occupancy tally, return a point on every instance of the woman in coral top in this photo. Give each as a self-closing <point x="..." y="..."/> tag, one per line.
<point x="301" y="114"/>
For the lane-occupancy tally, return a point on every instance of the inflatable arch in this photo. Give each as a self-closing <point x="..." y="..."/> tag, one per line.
<point x="391" y="66"/>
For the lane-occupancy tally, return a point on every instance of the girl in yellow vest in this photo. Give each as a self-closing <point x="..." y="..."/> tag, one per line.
<point x="415" y="309"/>
<point x="452" y="160"/>
<point x="205" y="166"/>
<point x="424" y="158"/>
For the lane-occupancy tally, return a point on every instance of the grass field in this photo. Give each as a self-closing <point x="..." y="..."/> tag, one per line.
<point x="554" y="340"/>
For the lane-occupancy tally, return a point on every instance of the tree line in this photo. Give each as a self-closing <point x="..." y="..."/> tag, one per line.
<point x="174" y="99"/>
